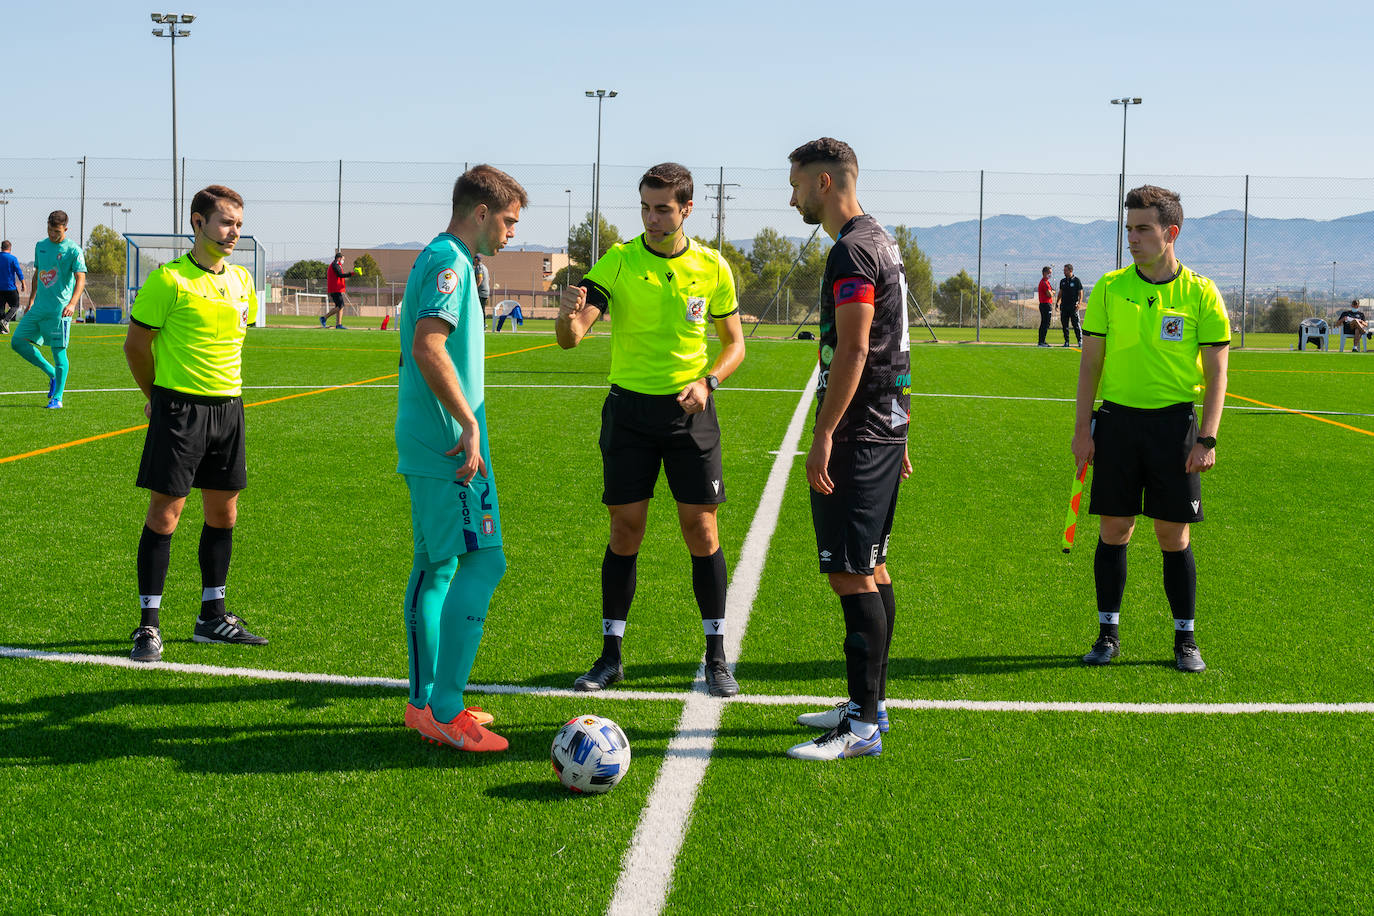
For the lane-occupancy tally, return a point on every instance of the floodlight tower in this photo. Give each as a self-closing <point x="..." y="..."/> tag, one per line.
<point x="600" y="95"/>
<point x="171" y="20"/>
<point x="113" y="205"/>
<point x="1125" y="104"/>
<point x="4" y="214"/>
<point x="126" y="211"/>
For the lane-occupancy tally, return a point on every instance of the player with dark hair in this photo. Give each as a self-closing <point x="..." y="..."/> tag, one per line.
<point x="1044" y="294"/>
<point x="59" y="277"/>
<point x="443" y="449"/>
<point x="336" y="284"/>
<point x="1353" y="322"/>
<point x="858" y="451"/>
<point x="184" y="348"/>
<point x="1154" y="334"/>
<point x="11" y="285"/>
<point x="1067" y="298"/>
<point x="665" y="289"/>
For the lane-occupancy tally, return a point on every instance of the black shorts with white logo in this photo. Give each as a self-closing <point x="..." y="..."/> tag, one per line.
<point x="193" y="441"/>
<point x="1138" y="463"/>
<point x="337" y="299"/>
<point x="640" y="432"/>
<point x="854" y="521"/>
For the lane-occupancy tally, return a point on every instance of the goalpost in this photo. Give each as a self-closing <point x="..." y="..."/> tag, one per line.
<point x="145" y="252"/>
<point x="307" y="300"/>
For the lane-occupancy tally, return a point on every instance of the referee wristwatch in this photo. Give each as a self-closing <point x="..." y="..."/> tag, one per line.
<point x="1208" y="442"/>
<point x="712" y="383"/>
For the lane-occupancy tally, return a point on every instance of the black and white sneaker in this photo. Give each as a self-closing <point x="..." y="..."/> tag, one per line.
<point x="1188" y="658"/>
<point x="719" y="681"/>
<point x="228" y="628"/>
<point x="1103" y="651"/>
<point x="602" y="675"/>
<point x="147" y="645"/>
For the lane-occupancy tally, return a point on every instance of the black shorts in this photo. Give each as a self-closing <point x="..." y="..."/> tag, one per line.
<point x="193" y="441"/>
<point x="853" y="522"/>
<point x="641" y="431"/>
<point x="337" y="299"/>
<point x="9" y="299"/>
<point x="1138" y="463"/>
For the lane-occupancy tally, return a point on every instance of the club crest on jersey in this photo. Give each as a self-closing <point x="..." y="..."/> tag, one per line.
<point x="1171" y="328"/>
<point x="488" y="526"/>
<point x="447" y="281"/>
<point x="696" y="309"/>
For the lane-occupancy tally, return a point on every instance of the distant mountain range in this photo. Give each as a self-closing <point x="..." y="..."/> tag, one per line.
<point x="1284" y="252"/>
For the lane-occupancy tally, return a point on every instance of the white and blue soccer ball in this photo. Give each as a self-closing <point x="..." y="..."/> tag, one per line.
<point x="590" y="754"/>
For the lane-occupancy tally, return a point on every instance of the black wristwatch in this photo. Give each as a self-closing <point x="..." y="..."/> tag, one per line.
<point x="712" y="383"/>
<point x="1207" y="441"/>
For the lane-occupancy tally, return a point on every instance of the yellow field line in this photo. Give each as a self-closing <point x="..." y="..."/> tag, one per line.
<point x="1305" y="371"/>
<point x="1353" y="429"/>
<point x="302" y="394"/>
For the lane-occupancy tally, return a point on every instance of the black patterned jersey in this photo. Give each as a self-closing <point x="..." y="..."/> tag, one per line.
<point x="864" y="267"/>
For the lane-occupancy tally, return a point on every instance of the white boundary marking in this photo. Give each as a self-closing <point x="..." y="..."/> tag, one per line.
<point x="1022" y="706"/>
<point x="646" y="872"/>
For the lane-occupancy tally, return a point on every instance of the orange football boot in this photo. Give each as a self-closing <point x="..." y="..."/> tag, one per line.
<point x="464" y="732"/>
<point x="414" y="716"/>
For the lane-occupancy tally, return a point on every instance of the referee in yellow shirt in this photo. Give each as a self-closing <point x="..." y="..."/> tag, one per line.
<point x="1155" y="334"/>
<point x="184" y="348"/>
<point x="661" y="291"/>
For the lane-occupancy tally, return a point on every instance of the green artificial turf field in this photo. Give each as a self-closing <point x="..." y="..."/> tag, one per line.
<point x="174" y="790"/>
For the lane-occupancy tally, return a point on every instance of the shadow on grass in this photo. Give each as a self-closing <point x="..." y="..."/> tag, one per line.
<point x="271" y="727"/>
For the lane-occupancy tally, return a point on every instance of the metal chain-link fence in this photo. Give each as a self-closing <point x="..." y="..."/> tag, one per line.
<point x="1281" y="248"/>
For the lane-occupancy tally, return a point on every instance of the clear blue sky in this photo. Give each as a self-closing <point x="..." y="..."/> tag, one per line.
<point x="1264" y="88"/>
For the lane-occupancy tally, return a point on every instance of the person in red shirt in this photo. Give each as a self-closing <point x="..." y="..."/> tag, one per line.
<point x="336" y="284"/>
<point x="1045" y="292"/>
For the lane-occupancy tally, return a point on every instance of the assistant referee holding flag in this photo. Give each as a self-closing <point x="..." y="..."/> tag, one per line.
<point x="661" y="290"/>
<point x="1154" y="334"/>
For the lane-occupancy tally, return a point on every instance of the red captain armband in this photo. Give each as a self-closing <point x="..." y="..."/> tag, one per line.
<point x="853" y="289"/>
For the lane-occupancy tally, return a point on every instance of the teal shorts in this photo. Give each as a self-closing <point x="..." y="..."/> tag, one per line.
<point x="53" y="330"/>
<point x="448" y="519"/>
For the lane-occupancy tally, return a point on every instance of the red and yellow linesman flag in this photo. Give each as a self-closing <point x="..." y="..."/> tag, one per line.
<point x="1075" y="500"/>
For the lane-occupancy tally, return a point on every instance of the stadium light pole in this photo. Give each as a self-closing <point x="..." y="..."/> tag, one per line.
<point x="113" y="205"/>
<point x="568" y="191"/>
<point x="4" y="214"/>
<point x="126" y="211"/>
<point x="600" y="95"/>
<point x="171" y="20"/>
<point x="1125" y="104"/>
<point x="81" y="226"/>
<point x="1333" y="283"/>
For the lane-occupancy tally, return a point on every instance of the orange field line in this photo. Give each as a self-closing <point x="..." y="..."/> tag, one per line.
<point x="1353" y="429"/>
<point x="302" y="394"/>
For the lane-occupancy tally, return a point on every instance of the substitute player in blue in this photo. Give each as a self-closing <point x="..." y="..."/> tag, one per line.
<point x="858" y="453"/>
<point x="59" y="278"/>
<point x="441" y="440"/>
<point x="11" y="285"/>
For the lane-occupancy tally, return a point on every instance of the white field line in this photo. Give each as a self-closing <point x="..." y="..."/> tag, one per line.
<point x="915" y="394"/>
<point x="1026" y="706"/>
<point x="646" y="873"/>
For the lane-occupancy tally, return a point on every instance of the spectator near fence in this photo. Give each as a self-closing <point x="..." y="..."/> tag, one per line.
<point x="11" y="285"/>
<point x="1045" y="294"/>
<point x="1070" y="292"/>
<point x="1353" y="322"/>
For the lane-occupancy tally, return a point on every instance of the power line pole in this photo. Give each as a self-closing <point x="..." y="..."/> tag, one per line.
<point x="720" y="198"/>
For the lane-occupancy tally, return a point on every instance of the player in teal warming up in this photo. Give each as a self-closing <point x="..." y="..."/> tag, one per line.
<point x="59" y="278"/>
<point x="441" y="438"/>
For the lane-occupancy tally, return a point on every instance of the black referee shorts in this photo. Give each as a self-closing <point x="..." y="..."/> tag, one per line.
<point x="1138" y="463"/>
<point x="193" y="441"/>
<point x="640" y="432"/>
<point x="854" y="521"/>
<point x="337" y="299"/>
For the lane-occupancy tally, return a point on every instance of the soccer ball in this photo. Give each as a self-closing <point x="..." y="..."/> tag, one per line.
<point x="590" y="754"/>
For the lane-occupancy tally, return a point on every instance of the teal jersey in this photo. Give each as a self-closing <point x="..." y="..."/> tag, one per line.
<point x="55" y="269"/>
<point x="441" y="285"/>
